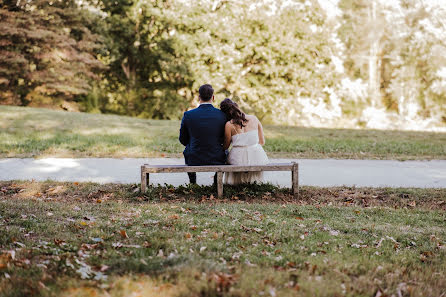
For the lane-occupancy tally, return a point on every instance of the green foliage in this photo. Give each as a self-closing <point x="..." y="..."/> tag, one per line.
<point x="148" y="58"/>
<point x="47" y="53"/>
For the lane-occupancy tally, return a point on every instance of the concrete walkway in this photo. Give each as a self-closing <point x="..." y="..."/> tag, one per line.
<point x="321" y="172"/>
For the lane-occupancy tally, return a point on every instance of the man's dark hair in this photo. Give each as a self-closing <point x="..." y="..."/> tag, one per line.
<point x="206" y="92"/>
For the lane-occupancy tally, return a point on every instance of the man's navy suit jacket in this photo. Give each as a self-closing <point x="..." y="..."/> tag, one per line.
<point x="202" y="132"/>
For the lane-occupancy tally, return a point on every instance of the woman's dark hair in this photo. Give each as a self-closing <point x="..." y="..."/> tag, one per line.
<point x="230" y="108"/>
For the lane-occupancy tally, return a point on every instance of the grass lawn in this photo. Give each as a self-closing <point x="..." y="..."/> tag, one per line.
<point x="71" y="239"/>
<point x="31" y="132"/>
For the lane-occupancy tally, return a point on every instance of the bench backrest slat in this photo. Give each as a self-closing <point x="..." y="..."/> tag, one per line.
<point x="215" y="168"/>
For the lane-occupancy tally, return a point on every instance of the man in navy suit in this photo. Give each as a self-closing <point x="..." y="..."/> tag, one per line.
<point x="202" y="132"/>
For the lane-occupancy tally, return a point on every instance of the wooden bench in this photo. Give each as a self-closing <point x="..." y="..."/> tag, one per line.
<point x="146" y="169"/>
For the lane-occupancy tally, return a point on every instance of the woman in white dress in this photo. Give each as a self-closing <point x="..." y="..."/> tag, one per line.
<point x="245" y="133"/>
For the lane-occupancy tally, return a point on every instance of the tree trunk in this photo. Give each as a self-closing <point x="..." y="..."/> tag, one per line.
<point x="374" y="60"/>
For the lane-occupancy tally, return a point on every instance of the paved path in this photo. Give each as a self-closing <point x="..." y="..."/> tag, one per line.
<point x="322" y="172"/>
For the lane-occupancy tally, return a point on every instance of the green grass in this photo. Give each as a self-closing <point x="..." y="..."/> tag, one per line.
<point x="184" y="242"/>
<point x="31" y="132"/>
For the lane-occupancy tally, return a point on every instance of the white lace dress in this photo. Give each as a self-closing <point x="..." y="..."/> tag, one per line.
<point x="246" y="150"/>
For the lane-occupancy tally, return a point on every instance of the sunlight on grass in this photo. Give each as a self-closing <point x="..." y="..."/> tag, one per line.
<point x="33" y="132"/>
<point x="128" y="286"/>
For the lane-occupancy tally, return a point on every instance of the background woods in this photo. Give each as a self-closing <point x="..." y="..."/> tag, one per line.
<point x="353" y="63"/>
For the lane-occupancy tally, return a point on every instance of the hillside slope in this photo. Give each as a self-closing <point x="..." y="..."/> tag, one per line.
<point x="32" y="132"/>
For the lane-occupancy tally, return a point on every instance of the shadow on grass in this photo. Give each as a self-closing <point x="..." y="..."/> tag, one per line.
<point x="203" y="193"/>
<point x="432" y="199"/>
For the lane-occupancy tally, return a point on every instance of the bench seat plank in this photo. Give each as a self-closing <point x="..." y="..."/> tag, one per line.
<point x="216" y="168"/>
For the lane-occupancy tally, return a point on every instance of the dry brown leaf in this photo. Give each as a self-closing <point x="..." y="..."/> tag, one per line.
<point x="188" y="235"/>
<point x="5" y="259"/>
<point x="55" y="190"/>
<point x="58" y="241"/>
<point x="123" y="234"/>
<point x="223" y="281"/>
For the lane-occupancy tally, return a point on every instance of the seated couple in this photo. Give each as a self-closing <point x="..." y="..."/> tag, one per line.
<point x="208" y="132"/>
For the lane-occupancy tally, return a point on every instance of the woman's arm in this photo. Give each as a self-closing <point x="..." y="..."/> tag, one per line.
<point x="228" y="136"/>
<point x="261" y="136"/>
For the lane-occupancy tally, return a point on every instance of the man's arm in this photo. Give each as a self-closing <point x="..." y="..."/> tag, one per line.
<point x="184" y="133"/>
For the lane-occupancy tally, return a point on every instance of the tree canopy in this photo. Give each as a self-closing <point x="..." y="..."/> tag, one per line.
<point x="285" y="61"/>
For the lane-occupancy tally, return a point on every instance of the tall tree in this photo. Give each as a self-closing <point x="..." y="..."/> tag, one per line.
<point x="272" y="54"/>
<point x="149" y="73"/>
<point x="365" y="32"/>
<point x="47" y="54"/>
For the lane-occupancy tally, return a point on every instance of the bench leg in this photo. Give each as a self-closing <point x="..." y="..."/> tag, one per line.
<point x="144" y="180"/>
<point x="219" y="184"/>
<point x="295" y="180"/>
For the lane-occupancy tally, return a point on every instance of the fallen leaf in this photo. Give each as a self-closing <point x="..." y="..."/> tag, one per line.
<point x="223" y="281"/>
<point x="117" y="245"/>
<point x="300" y="218"/>
<point x="123" y="234"/>
<point x="55" y="190"/>
<point x="334" y="232"/>
<point x="58" y="242"/>
<point x="188" y="235"/>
